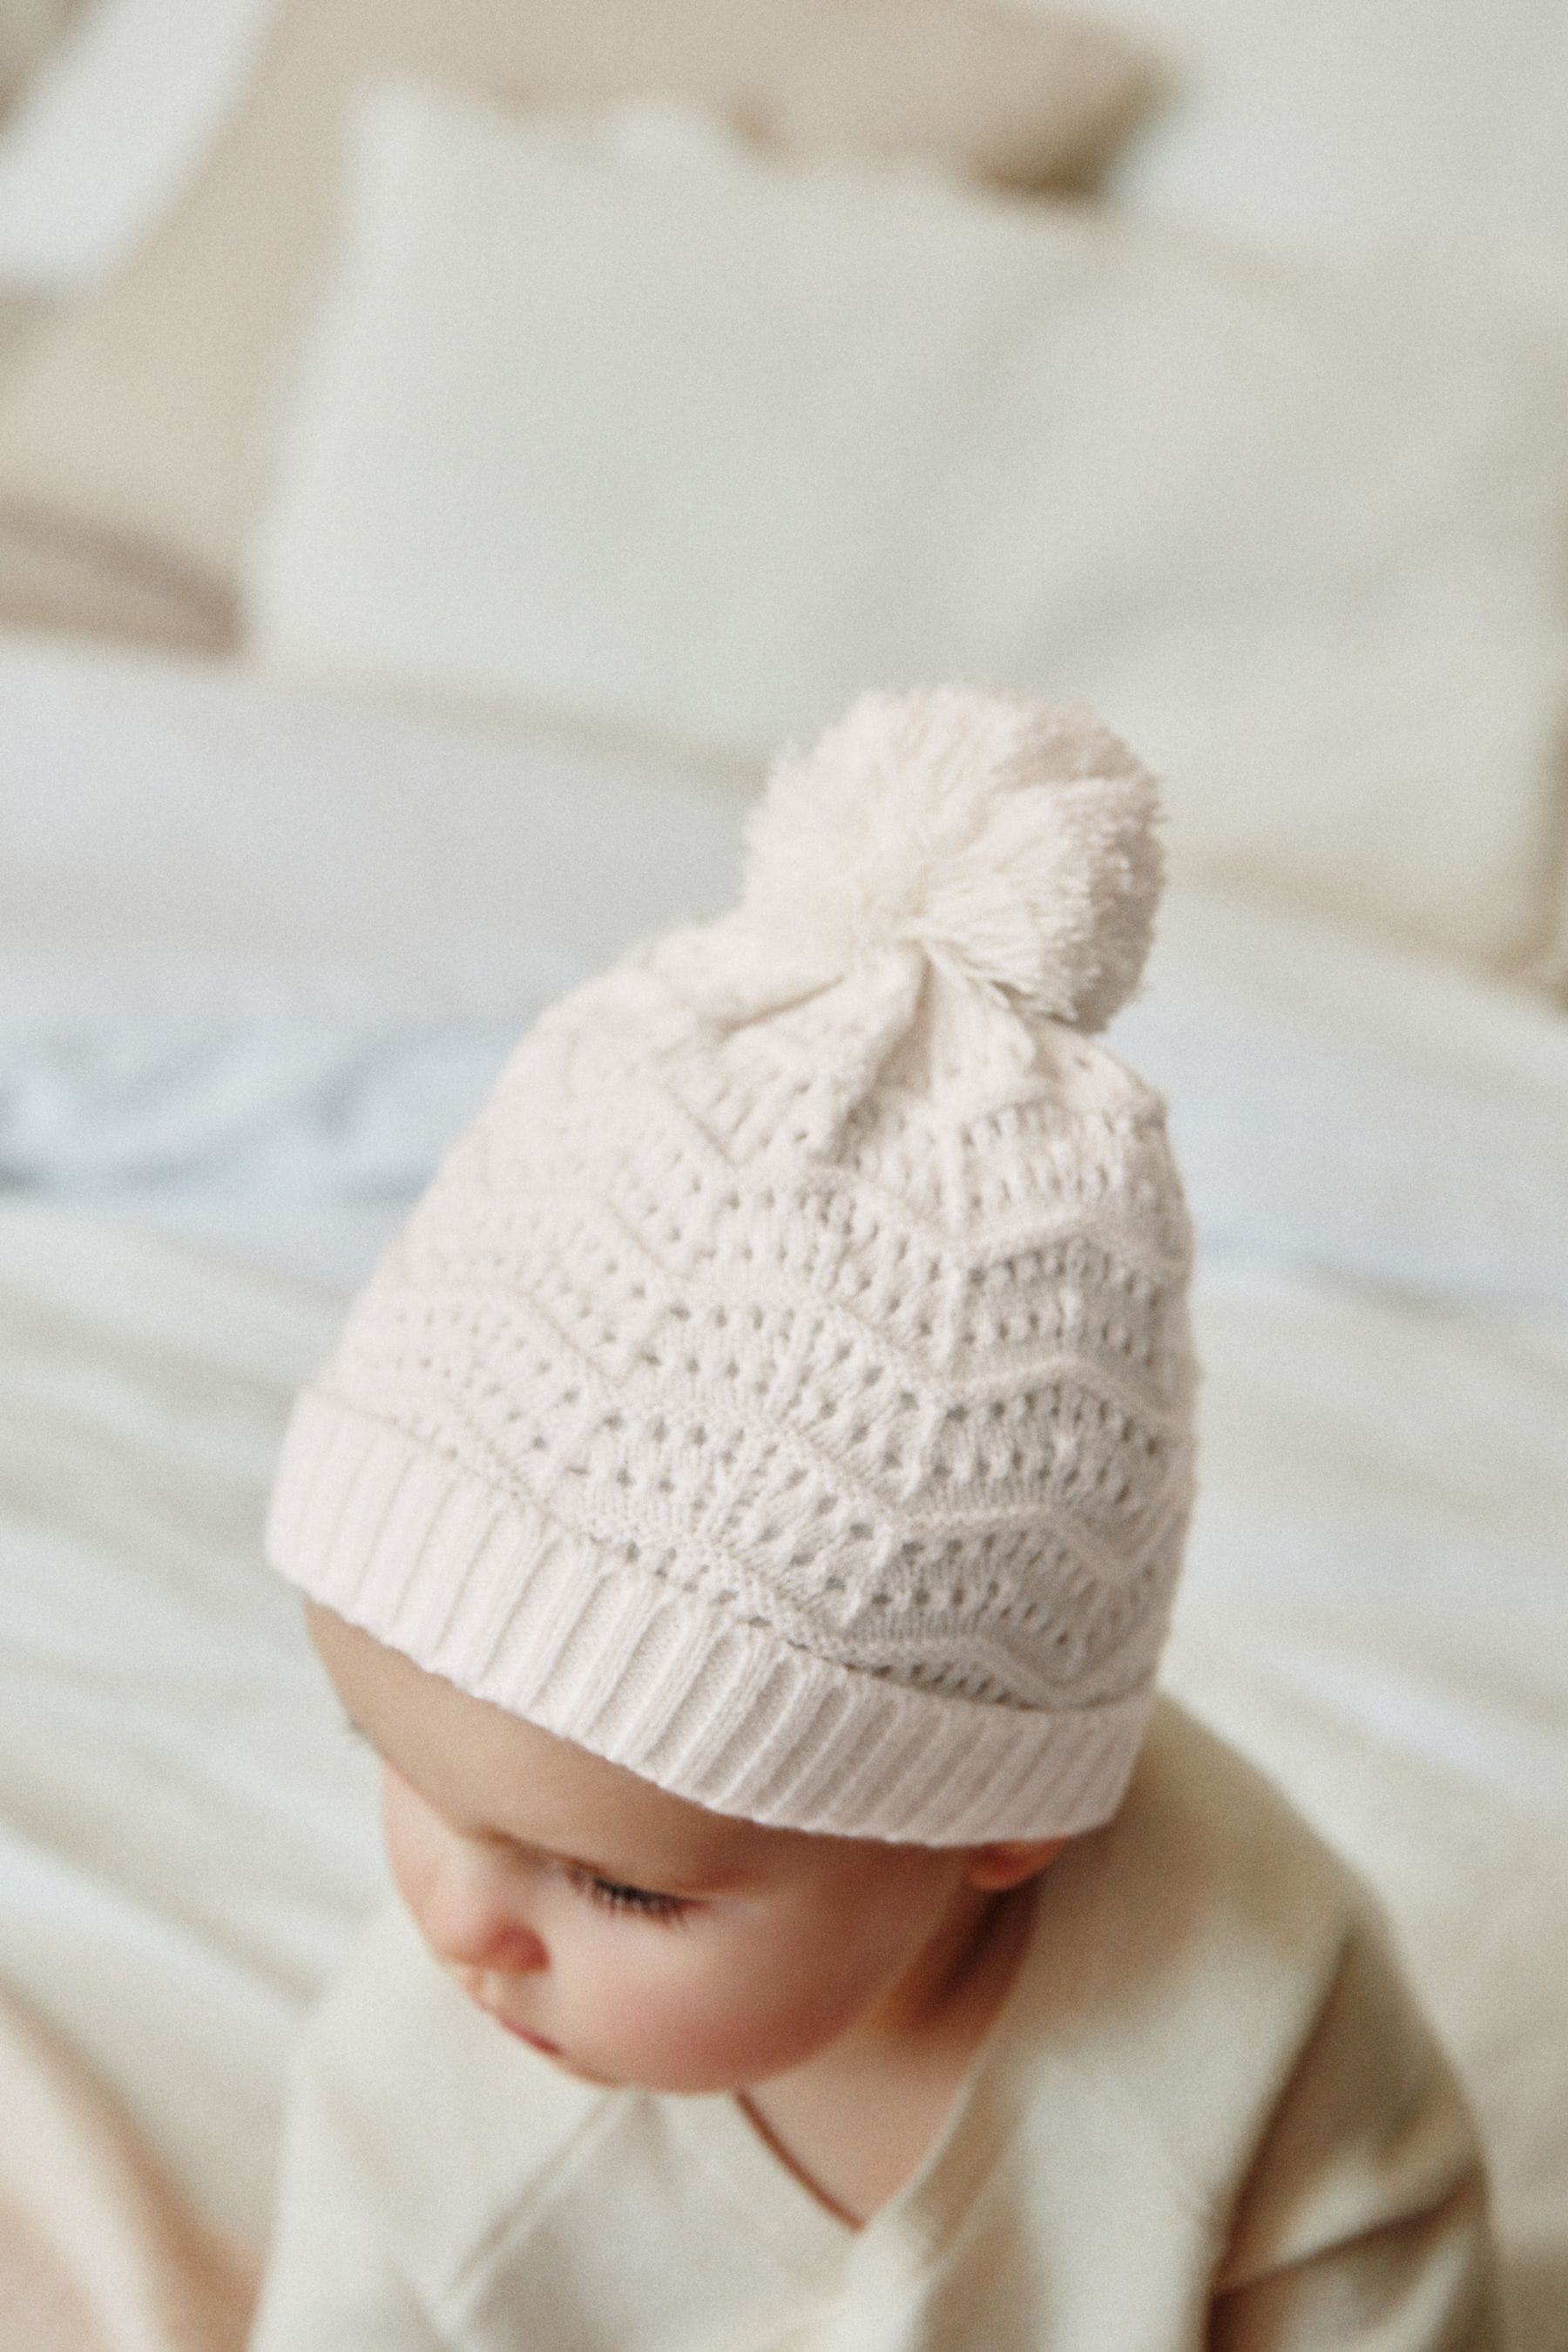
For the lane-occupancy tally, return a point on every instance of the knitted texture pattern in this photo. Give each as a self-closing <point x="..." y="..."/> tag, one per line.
<point x="785" y="1388"/>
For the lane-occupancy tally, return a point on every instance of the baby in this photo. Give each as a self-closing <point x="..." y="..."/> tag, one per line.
<point x="743" y="1512"/>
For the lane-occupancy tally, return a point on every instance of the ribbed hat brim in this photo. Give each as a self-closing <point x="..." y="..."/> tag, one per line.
<point x="483" y="1589"/>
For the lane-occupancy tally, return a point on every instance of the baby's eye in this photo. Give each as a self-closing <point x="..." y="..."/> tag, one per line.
<point x="611" y="1895"/>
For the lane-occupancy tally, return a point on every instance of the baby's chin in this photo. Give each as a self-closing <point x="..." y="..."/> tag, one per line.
<point x="562" y="2060"/>
<point x="580" y="2073"/>
<point x="655" y="2077"/>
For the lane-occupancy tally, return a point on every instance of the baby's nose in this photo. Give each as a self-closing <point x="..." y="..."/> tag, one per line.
<point x="471" y="1920"/>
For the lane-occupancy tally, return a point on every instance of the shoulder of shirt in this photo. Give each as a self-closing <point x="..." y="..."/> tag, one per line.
<point x="1230" y="1850"/>
<point x="448" y="2123"/>
<point x="1184" y="1956"/>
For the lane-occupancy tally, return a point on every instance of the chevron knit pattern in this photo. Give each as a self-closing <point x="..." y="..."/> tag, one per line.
<point x="785" y="1388"/>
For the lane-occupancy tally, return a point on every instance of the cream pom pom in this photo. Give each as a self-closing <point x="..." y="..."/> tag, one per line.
<point x="1012" y="842"/>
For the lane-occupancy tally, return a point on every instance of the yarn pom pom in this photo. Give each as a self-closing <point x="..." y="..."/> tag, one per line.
<point x="1012" y="842"/>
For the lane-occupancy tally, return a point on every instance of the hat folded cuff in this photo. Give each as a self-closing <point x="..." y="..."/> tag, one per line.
<point x="485" y="1589"/>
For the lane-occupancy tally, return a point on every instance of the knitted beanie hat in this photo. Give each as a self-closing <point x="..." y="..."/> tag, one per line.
<point x="783" y="1389"/>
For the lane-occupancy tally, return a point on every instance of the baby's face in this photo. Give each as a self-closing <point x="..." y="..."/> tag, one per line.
<point x="634" y="1938"/>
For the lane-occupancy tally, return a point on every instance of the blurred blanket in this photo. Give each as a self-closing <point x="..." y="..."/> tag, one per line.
<point x="1336" y="1107"/>
<point x="99" y="2250"/>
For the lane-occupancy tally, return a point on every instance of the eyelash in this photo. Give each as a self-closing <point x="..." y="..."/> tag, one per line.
<point x="636" y="1901"/>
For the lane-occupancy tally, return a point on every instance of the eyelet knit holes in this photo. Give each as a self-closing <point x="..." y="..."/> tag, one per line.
<point x="972" y="1366"/>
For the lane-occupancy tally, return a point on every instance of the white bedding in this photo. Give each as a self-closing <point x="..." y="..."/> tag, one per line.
<point x="294" y="1113"/>
<point x="261" y="950"/>
<point x="261" y="945"/>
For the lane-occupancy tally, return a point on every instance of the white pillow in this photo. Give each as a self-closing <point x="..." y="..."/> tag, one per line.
<point x="1333" y="126"/>
<point x="645" y="431"/>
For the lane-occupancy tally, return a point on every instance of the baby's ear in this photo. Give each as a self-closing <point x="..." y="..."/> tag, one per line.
<point x="994" y="1868"/>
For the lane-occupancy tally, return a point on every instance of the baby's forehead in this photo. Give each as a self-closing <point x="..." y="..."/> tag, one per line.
<point x="577" y="1804"/>
<point x="489" y="1772"/>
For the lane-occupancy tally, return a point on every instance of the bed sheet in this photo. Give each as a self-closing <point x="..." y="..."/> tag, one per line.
<point x="1334" y="1108"/>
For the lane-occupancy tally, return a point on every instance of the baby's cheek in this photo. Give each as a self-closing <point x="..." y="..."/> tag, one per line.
<point x="410" y="1851"/>
<point x="633" y="2012"/>
<point x="725" y="2019"/>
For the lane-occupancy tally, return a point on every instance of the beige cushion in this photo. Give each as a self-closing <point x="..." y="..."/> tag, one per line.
<point x="1549" y="966"/>
<point x="141" y="419"/>
<point x="21" y="316"/>
<point x="28" y="30"/>
<point x="61" y="574"/>
<point x="652" y="434"/>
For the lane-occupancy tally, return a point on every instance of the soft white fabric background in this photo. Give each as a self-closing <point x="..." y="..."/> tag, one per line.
<point x="1338" y="131"/>
<point x="237" y="962"/>
<point x="1330" y="129"/>
<point x="1330" y="126"/>
<point x="641" y="430"/>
